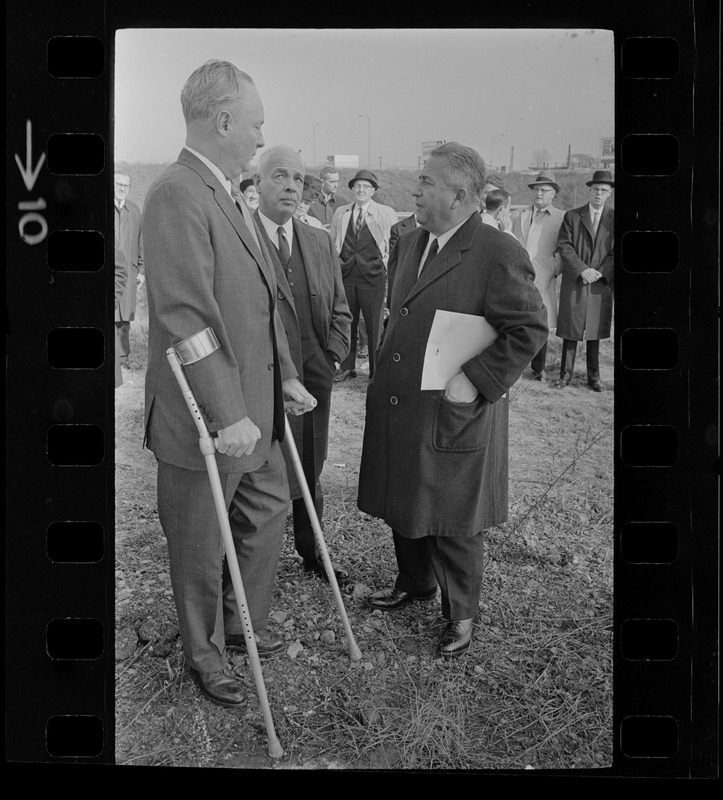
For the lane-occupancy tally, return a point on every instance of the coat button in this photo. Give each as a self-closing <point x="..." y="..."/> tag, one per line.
<point x="396" y="357"/>
<point x="281" y="296"/>
<point x="271" y="366"/>
<point x="403" y="312"/>
<point x="394" y="400"/>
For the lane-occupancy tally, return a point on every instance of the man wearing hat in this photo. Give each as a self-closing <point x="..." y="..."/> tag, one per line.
<point x="536" y="228"/>
<point x="308" y="194"/>
<point x="247" y="190"/>
<point x="585" y="244"/>
<point x="360" y="232"/>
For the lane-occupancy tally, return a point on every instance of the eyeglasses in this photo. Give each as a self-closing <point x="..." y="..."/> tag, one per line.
<point x="122" y="185"/>
<point x="601" y="191"/>
<point x="365" y="186"/>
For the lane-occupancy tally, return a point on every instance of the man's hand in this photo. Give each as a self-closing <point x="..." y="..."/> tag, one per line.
<point x="238" y="439"/>
<point x="504" y="218"/>
<point x="590" y="275"/>
<point x="297" y="400"/>
<point x="460" y="389"/>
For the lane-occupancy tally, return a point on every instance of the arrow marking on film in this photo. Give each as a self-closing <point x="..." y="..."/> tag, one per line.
<point x="29" y="174"/>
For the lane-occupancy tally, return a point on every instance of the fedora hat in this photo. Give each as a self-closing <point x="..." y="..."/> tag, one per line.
<point x="543" y="179"/>
<point x="601" y="176"/>
<point x="364" y="175"/>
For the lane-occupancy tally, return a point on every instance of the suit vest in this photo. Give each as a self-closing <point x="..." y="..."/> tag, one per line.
<point x="360" y="257"/>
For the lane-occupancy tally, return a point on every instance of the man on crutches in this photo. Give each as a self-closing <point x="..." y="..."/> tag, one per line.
<point x="207" y="267"/>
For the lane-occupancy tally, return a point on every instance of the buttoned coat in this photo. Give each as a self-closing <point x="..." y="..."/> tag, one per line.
<point x="203" y="269"/>
<point x="330" y="317"/>
<point x="432" y="467"/>
<point x="324" y="212"/>
<point x="379" y="219"/>
<point x="543" y="253"/>
<point x="585" y="310"/>
<point x="128" y="238"/>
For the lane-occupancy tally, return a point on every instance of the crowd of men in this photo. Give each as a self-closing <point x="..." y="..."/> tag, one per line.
<point x="285" y="270"/>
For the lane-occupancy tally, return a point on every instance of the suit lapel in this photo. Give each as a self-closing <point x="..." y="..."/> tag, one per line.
<point x="228" y="207"/>
<point x="309" y="249"/>
<point x="587" y="222"/>
<point x="447" y="258"/>
<point x="281" y="282"/>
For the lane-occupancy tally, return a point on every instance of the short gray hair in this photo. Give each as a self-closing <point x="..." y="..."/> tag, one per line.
<point x="212" y="86"/>
<point x="465" y="168"/>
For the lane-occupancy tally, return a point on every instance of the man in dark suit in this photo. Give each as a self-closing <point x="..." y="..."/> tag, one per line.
<point x="329" y="199"/>
<point x="406" y="224"/>
<point x="316" y="318"/>
<point x="121" y="279"/>
<point x="207" y="266"/>
<point x="360" y="232"/>
<point x="585" y="244"/>
<point x="128" y="241"/>
<point x="434" y="462"/>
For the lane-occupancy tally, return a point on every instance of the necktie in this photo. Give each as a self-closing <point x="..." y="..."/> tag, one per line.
<point x="595" y="221"/>
<point x="284" y="253"/>
<point x="433" y="249"/>
<point x="359" y="222"/>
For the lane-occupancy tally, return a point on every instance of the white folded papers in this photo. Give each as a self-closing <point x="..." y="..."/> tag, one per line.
<point x="453" y="340"/>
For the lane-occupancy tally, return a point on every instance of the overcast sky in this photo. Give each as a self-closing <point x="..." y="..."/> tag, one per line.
<point x="536" y="89"/>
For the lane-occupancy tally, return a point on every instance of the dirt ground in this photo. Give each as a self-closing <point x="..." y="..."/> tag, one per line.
<point x="534" y="691"/>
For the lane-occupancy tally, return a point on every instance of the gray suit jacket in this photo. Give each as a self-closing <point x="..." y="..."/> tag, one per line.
<point x="204" y="269"/>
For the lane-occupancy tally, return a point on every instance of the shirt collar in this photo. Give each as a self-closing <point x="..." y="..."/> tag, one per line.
<point x="120" y="205"/>
<point x="223" y="180"/>
<point x="445" y="237"/>
<point x="272" y="228"/>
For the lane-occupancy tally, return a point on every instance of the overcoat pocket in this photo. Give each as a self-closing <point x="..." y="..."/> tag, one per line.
<point x="460" y="427"/>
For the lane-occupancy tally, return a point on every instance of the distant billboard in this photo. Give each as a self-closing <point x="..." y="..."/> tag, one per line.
<point x="427" y="147"/>
<point x="343" y="162"/>
<point x="607" y="148"/>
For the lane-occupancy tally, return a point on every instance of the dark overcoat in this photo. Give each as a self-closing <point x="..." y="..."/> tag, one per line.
<point x="586" y="310"/>
<point x="331" y="319"/>
<point x="128" y="239"/>
<point x="430" y="466"/>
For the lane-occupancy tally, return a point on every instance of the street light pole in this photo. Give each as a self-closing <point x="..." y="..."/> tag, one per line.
<point x="313" y="136"/>
<point x="492" y="149"/>
<point x="369" y="139"/>
<point x="507" y="138"/>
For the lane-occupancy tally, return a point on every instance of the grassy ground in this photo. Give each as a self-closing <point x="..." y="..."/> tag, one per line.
<point x="534" y="691"/>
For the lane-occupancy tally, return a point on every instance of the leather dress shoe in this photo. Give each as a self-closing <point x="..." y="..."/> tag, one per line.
<point x="222" y="688"/>
<point x="596" y="386"/>
<point x="343" y="374"/>
<point x="539" y="376"/>
<point x="457" y="637"/>
<point x="561" y="384"/>
<point x="391" y="599"/>
<point x="267" y="642"/>
<point x="317" y="567"/>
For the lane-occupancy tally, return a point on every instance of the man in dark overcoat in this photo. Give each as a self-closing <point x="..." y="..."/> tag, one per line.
<point x="316" y="318"/>
<point x="585" y="245"/>
<point x="129" y="241"/>
<point x="434" y="463"/>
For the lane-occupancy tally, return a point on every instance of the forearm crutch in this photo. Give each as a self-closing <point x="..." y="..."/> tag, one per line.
<point x="186" y="352"/>
<point x="354" y="651"/>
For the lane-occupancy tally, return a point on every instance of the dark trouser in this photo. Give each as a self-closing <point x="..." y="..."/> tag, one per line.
<point x="205" y="600"/>
<point x="456" y="563"/>
<point x="123" y="336"/>
<point x="318" y="381"/>
<point x="592" y="355"/>
<point x="368" y="300"/>
<point x="304" y="539"/>
<point x="538" y="362"/>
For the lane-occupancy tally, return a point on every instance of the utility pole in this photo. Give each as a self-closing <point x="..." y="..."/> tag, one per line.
<point x="380" y="163"/>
